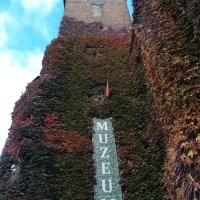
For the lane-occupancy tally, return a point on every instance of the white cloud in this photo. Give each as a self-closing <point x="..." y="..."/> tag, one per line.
<point x="16" y="70"/>
<point x="34" y="16"/>
<point x="23" y="21"/>
<point x="40" y="6"/>
<point x="44" y="31"/>
<point x="24" y="24"/>
<point x="5" y="21"/>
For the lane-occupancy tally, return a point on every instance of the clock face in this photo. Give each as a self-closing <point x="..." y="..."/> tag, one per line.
<point x="96" y="2"/>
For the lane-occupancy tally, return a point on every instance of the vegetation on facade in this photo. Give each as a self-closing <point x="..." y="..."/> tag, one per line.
<point x="154" y="102"/>
<point x="52" y="129"/>
<point x="168" y="35"/>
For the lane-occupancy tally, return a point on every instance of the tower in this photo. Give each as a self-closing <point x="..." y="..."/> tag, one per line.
<point x="65" y="110"/>
<point x="95" y="17"/>
<point x="110" y="13"/>
<point x="100" y="121"/>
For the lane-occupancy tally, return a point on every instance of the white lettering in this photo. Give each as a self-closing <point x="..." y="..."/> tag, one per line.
<point x="105" y="138"/>
<point x="105" y="169"/>
<point x="105" y="199"/>
<point x="104" y="152"/>
<point x="104" y="126"/>
<point x="104" y="185"/>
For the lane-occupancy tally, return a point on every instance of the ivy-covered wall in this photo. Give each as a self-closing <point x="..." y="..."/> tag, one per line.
<point x="51" y="132"/>
<point x="154" y="102"/>
<point x="166" y="42"/>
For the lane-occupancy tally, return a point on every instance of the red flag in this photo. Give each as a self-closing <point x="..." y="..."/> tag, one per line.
<point x="107" y="91"/>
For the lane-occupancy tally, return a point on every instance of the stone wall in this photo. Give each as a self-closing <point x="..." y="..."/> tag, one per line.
<point x="113" y="13"/>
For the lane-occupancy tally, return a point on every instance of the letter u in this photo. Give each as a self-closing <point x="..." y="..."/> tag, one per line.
<point x="109" y="189"/>
<point x="101" y="138"/>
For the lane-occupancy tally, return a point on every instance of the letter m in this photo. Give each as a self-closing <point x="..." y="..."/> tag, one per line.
<point x="102" y="126"/>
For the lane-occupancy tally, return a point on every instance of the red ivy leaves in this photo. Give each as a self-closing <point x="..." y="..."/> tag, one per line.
<point x="57" y="134"/>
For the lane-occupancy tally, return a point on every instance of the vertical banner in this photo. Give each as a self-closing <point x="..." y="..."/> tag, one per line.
<point x="107" y="173"/>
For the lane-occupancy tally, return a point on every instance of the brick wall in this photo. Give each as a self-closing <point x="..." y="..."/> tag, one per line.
<point x="113" y="13"/>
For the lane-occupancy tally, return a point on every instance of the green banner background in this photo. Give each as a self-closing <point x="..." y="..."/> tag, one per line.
<point x="105" y="152"/>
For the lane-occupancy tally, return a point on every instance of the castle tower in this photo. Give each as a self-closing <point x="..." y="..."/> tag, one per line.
<point x="110" y="13"/>
<point x="69" y="139"/>
<point x="105" y="112"/>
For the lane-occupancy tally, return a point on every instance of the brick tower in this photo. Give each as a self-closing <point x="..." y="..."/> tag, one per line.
<point x="111" y="13"/>
<point x="51" y="151"/>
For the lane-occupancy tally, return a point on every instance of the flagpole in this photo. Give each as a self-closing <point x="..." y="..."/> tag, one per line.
<point x="107" y="90"/>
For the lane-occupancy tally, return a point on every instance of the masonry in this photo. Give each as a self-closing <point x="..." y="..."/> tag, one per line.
<point x="112" y="13"/>
<point x="153" y="75"/>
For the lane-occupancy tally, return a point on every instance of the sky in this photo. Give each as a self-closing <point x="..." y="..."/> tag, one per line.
<point x="26" y="28"/>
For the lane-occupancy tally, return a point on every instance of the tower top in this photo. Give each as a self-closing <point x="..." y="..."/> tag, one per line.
<point x="110" y="13"/>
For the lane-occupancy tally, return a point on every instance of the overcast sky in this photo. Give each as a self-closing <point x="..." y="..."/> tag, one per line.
<point x="26" y="28"/>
